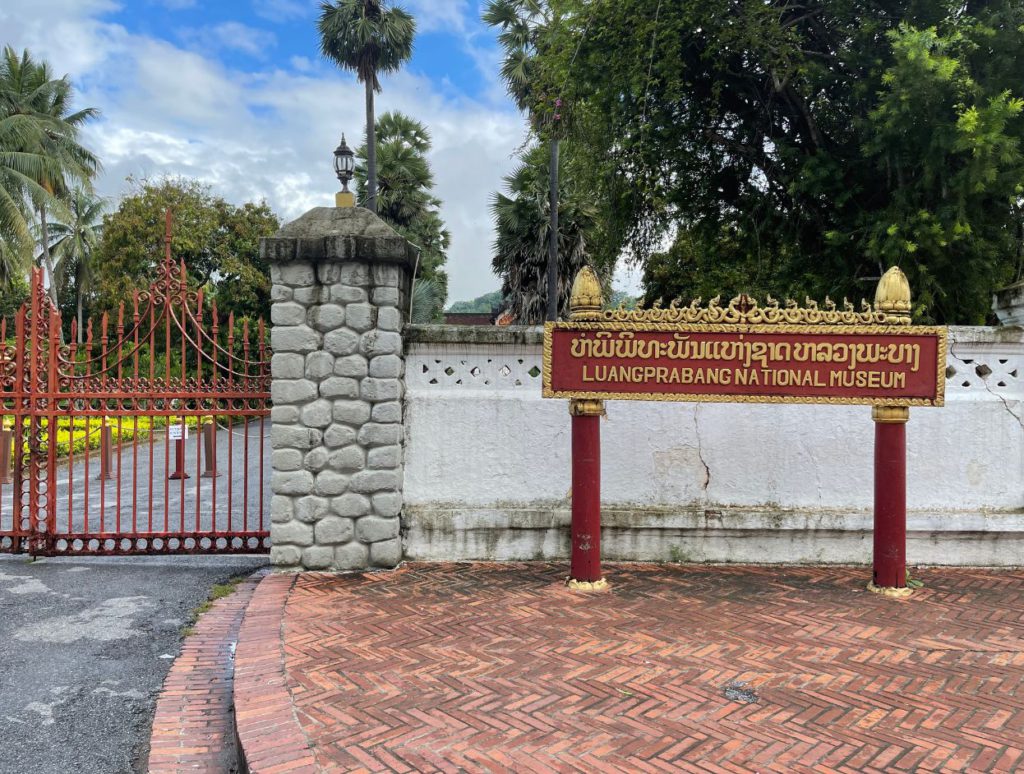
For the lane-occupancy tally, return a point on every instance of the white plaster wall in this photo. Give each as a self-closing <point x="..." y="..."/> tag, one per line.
<point x="482" y="441"/>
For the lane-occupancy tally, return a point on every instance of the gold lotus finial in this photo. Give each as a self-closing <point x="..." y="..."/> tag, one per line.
<point x="585" y="301"/>
<point x="893" y="296"/>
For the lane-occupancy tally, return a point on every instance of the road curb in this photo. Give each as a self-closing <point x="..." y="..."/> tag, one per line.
<point x="193" y="728"/>
<point x="269" y="734"/>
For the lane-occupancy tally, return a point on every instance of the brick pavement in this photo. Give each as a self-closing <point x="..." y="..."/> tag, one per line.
<point x="489" y="667"/>
<point x="193" y="729"/>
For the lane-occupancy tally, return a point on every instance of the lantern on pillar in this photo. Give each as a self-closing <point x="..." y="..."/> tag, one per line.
<point x="344" y="168"/>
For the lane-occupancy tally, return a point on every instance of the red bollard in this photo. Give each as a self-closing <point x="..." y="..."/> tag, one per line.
<point x="889" y="574"/>
<point x="210" y="450"/>
<point x="179" y="457"/>
<point x="6" y="447"/>
<point x="585" y="562"/>
<point x="106" y="452"/>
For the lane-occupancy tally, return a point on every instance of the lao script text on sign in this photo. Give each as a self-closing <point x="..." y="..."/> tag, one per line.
<point x="881" y="364"/>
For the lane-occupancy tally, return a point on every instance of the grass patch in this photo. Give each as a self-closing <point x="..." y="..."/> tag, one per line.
<point x="219" y="591"/>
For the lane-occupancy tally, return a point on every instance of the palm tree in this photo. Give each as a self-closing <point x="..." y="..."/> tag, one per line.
<point x="427" y="302"/>
<point x="405" y="199"/>
<point x="75" y="242"/>
<point x="404" y="176"/>
<point x="523" y="224"/>
<point x="28" y="88"/>
<point x="22" y="166"/>
<point x="523" y="25"/>
<point x="368" y="38"/>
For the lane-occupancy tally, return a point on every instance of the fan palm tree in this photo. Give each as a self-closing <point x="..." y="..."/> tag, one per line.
<point x="427" y="302"/>
<point x="75" y="242"/>
<point x="404" y="176"/>
<point x="396" y="127"/>
<point x="28" y="88"/>
<point x="523" y="25"/>
<point x="368" y="38"/>
<point x="523" y="234"/>
<point x="405" y="199"/>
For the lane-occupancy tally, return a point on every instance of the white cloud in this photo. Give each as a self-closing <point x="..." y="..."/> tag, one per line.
<point x="231" y="36"/>
<point x="170" y="110"/>
<point x="433" y="15"/>
<point x="283" y="10"/>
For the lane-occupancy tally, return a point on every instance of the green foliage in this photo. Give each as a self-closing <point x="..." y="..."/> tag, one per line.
<point x="366" y="37"/>
<point x="41" y="157"/>
<point x="799" y="148"/>
<point x="488" y="302"/>
<point x="74" y="240"/>
<point x="426" y="302"/>
<point x="404" y="197"/>
<point x="13" y="294"/>
<point x="526" y="31"/>
<point x="620" y="298"/>
<point x="217" y="241"/>
<point x="521" y="246"/>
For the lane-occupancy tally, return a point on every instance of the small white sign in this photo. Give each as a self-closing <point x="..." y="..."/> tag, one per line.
<point x="177" y="432"/>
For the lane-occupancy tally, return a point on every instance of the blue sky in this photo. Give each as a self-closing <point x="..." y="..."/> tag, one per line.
<point x="234" y="93"/>
<point x="453" y="48"/>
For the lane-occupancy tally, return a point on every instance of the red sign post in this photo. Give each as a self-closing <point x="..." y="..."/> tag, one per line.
<point x="747" y="353"/>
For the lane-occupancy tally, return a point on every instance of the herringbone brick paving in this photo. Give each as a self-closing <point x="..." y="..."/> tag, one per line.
<point x="193" y="728"/>
<point x="489" y="667"/>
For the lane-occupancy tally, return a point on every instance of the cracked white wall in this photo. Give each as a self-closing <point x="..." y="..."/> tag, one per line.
<point x="483" y="448"/>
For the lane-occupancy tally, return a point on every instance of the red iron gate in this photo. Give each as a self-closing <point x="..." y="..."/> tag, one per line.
<point x="89" y="463"/>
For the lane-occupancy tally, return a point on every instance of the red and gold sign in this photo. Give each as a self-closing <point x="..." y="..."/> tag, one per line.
<point x="748" y="353"/>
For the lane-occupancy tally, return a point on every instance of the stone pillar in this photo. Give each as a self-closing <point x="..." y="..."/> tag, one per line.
<point x="341" y="280"/>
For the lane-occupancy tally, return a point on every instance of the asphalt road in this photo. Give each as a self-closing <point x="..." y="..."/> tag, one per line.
<point x="85" y="645"/>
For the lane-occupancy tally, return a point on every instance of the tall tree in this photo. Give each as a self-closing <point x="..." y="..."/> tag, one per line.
<point x="369" y="38"/>
<point x="524" y="29"/>
<point x="803" y="146"/>
<point x="218" y="242"/>
<point x="523" y="229"/>
<point x="75" y="240"/>
<point x="29" y="88"/>
<point x="405" y="198"/>
<point x="20" y="172"/>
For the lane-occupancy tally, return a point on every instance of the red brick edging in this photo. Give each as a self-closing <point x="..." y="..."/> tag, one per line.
<point x="192" y="727"/>
<point x="270" y="737"/>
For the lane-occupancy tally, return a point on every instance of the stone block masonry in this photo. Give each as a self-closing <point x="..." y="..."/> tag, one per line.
<point x="341" y="281"/>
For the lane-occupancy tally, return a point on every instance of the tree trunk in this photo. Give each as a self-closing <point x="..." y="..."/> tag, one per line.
<point x="553" y="294"/>
<point x="371" y="151"/>
<point x="47" y="258"/>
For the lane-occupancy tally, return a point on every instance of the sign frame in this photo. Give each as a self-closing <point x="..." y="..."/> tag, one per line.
<point x="808" y="328"/>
